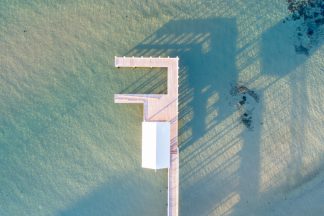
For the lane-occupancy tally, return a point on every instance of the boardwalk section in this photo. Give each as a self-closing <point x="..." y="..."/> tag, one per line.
<point x="160" y="107"/>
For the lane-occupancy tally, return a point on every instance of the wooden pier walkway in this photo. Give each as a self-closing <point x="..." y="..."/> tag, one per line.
<point x="160" y="107"/>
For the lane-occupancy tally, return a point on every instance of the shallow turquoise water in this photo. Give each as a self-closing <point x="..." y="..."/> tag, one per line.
<point x="67" y="149"/>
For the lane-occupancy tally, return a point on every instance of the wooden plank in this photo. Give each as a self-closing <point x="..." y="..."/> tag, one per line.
<point x="162" y="107"/>
<point x="135" y="98"/>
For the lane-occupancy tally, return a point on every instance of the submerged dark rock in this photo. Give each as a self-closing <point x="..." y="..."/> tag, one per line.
<point x="311" y="13"/>
<point x="301" y="50"/>
<point x="310" y="32"/>
<point x="247" y="101"/>
<point x="319" y="22"/>
<point x="247" y="121"/>
<point x="241" y="89"/>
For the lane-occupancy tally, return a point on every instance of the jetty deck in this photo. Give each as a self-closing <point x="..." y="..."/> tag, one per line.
<point x="160" y="107"/>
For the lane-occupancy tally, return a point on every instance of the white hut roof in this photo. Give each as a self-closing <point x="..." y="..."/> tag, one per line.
<point x="156" y="145"/>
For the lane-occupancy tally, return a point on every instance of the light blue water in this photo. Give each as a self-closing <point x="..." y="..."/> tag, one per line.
<point x="67" y="149"/>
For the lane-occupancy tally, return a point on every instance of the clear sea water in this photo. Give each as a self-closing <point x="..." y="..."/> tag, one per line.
<point x="67" y="149"/>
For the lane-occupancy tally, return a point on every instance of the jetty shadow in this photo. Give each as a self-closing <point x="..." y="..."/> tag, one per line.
<point x="278" y="54"/>
<point x="204" y="47"/>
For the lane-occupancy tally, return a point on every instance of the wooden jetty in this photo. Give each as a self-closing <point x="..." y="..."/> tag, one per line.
<point x="160" y="107"/>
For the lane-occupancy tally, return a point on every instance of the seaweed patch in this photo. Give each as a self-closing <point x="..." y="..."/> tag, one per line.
<point x="247" y="120"/>
<point x="246" y="100"/>
<point x="310" y="30"/>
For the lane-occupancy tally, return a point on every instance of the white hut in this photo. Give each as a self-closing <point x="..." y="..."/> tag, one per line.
<point x="156" y="145"/>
